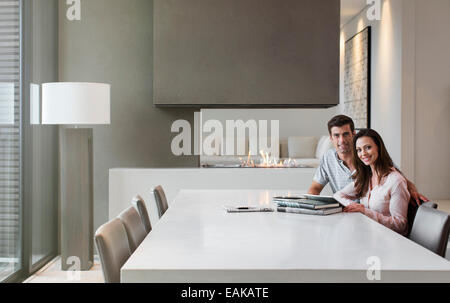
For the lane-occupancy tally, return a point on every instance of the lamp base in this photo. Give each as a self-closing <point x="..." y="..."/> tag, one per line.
<point x="76" y="198"/>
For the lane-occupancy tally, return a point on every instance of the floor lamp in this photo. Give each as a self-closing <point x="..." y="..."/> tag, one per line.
<point x="76" y="104"/>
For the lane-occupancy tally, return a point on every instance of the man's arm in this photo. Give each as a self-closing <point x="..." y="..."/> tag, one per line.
<point x="414" y="193"/>
<point x="315" y="188"/>
<point x="321" y="176"/>
<point x="416" y="197"/>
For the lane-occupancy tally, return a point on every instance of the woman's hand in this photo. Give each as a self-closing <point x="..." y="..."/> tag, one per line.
<point x="354" y="208"/>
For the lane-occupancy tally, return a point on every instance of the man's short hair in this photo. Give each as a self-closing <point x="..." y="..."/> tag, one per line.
<point x="339" y="121"/>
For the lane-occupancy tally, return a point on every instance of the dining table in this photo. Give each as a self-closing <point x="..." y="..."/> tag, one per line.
<point x="198" y="241"/>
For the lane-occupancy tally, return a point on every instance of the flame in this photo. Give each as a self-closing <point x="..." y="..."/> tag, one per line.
<point x="267" y="161"/>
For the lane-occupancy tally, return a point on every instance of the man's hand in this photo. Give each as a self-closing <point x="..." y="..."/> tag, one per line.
<point x="354" y="208"/>
<point x="415" y="196"/>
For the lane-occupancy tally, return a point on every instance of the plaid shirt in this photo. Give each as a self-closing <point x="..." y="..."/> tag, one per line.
<point x="333" y="170"/>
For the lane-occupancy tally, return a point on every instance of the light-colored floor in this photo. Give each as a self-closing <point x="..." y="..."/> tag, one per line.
<point x="52" y="273"/>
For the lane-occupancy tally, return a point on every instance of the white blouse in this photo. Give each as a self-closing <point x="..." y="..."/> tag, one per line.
<point x="387" y="203"/>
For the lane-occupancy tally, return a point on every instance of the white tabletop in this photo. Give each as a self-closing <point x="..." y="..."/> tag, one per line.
<point x="198" y="241"/>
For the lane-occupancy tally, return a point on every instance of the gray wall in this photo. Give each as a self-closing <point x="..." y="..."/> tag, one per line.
<point x="113" y="43"/>
<point x="40" y="145"/>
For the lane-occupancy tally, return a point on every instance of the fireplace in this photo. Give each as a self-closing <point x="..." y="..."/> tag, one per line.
<point x="264" y="160"/>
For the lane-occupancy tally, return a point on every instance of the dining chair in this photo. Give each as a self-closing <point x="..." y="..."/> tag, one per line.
<point x="133" y="226"/>
<point x="161" y="200"/>
<point x="139" y="204"/>
<point x="430" y="204"/>
<point x="113" y="247"/>
<point x="412" y="211"/>
<point x="431" y="229"/>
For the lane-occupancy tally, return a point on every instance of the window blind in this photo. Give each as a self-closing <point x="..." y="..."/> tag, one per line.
<point x="9" y="136"/>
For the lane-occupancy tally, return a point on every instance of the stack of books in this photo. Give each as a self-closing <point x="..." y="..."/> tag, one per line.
<point x="306" y="205"/>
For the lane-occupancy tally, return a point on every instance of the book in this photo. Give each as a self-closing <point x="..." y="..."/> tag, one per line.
<point x="306" y="203"/>
<point x="318" y="212"/>
<point x="289" y="198"/>
<point x="329" y="199"/>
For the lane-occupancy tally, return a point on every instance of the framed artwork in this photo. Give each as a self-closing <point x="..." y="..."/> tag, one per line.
<point x="357" y="79"/>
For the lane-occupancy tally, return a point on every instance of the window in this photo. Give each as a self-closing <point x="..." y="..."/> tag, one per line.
<point x="10" y="147"/>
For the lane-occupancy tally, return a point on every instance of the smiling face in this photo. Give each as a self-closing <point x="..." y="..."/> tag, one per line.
<point x="367" y="150"/>
<point x="342" y="138"/>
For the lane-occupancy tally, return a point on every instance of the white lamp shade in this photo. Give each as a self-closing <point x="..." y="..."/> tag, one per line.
<point x="75" y="103"/>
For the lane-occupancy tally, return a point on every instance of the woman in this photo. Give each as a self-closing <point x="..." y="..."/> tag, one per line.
<point x="381" y="189"/>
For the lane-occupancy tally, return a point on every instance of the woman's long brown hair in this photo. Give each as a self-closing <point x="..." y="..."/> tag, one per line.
<point x="383" y="164"/>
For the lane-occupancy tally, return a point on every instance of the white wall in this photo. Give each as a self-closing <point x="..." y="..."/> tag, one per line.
<point x="410" y="93"/>
<point x="432" y="98"/>
<point x="386" y="72"/>
<point x="293" y="122"/>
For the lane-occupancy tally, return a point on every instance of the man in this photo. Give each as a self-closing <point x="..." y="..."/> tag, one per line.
<point x="336" y="166"/>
